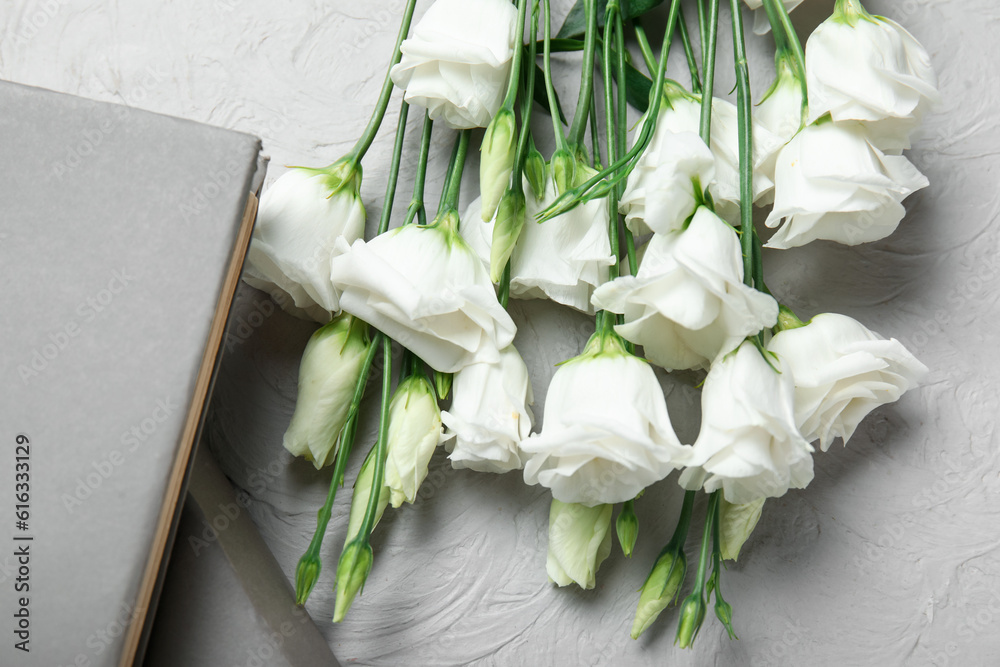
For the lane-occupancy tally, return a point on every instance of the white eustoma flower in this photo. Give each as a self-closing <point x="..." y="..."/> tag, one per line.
<point x="489" y="414"/>
<point x="562" y="259"/>
<point x="680" y="112"/>
<point x="426" y="289"/>
<point x="781" y="109"/>
<point x="414" y="432"/>
<point x="456" y="62"/>
<point x="761" y="25"/>
<point x="579" y="541"/>
<point x="833" y="184"/>
<point x="842" y="372"/>
<point x="868" y="68"/>
<point x="687" y="303"/>
<point x="606" y="433"/>
<point x="748" y="445"/>
<point x="300" y="218"/>
<point x="328" y="374"/>
<point x="668" y="183"/>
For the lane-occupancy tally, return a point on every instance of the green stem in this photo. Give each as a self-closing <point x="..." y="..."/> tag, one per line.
<point x="503" y="294"/>
<point x="744" y="113"/>
<point x="623" y="167"/>
<point x="611" y="127"/>
<point x="683" y="523"/>
<point x="360" y="148"/>
<point x="709" y="63"/>
<point x="723" y="610"/>
<point x="595" y="133"/>
<point x="579" y="125"/>
<point x="621" y="82"/>
<point x="524" y="140"/>
<point x="382" y="444"/>
<point x="621" y="85"/>
<point x="449" y="198"/>
<point x="644" y="47"/>
<point x="689" y="53"/>
<point x="524" y="137"/>
<point x="515" y="67"/>
<point x="447" y="177"/>
<point x="758" y="264"/>
<point x="777" y="30"/>
<point x="706" y="541"/>
<point x="703" y="30"/>
<point x="416" y="207"/>
<point x="397" y="153"/>
<point x="550" y="90"/>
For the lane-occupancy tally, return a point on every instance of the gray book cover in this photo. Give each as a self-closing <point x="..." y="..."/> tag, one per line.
<point x="122" y="234"/>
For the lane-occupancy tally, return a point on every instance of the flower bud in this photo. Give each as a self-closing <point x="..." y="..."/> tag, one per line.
<point x="359" y="500"/>
<point x="627" y="527"/>
<point x="414" y="431"/>
<point x="536" y="173"/>
<point x="328" y="374"/>
<point x="579" y="541"/>
<point x="497" y="162"/>
<point x="506" y="230"/>
<point x="724" y="612"/>
<point x="563" y="170"/>
<point x="352" y="571"/>
<point x="692" y="615"/>
<point x="442" y="382"/>
<point x="660" y="589"/>
<point x="306" y="574"/>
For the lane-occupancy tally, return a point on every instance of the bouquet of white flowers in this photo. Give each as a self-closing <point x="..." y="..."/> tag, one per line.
<point x="822" y="151"/>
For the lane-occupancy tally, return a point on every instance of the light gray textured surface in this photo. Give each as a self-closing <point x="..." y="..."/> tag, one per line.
<point x="889" y="557"/>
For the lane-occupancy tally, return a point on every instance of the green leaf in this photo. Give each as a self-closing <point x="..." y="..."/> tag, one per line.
<point x="542" y="99"/>
<point x="638" y="88"/>
<point x="576" y="21"/>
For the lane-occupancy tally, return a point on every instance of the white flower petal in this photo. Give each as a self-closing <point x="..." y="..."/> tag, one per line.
<point x="833" y="184"/>
<point x="457" y="61"/>
<point x="842" y="372"/>
<point x="295" y="237"/>
<point x="425" y="288"/>
<point x="601" y="446"/>
<point x="489" y="414"/>
<point x="748" y="445"/>
<point x="870" y="70"/>
<point x="687" y="303"/>
<point x="562" y="259"/>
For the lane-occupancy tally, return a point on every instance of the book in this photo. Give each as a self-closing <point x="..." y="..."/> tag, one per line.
<point x="122" y="236"/>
